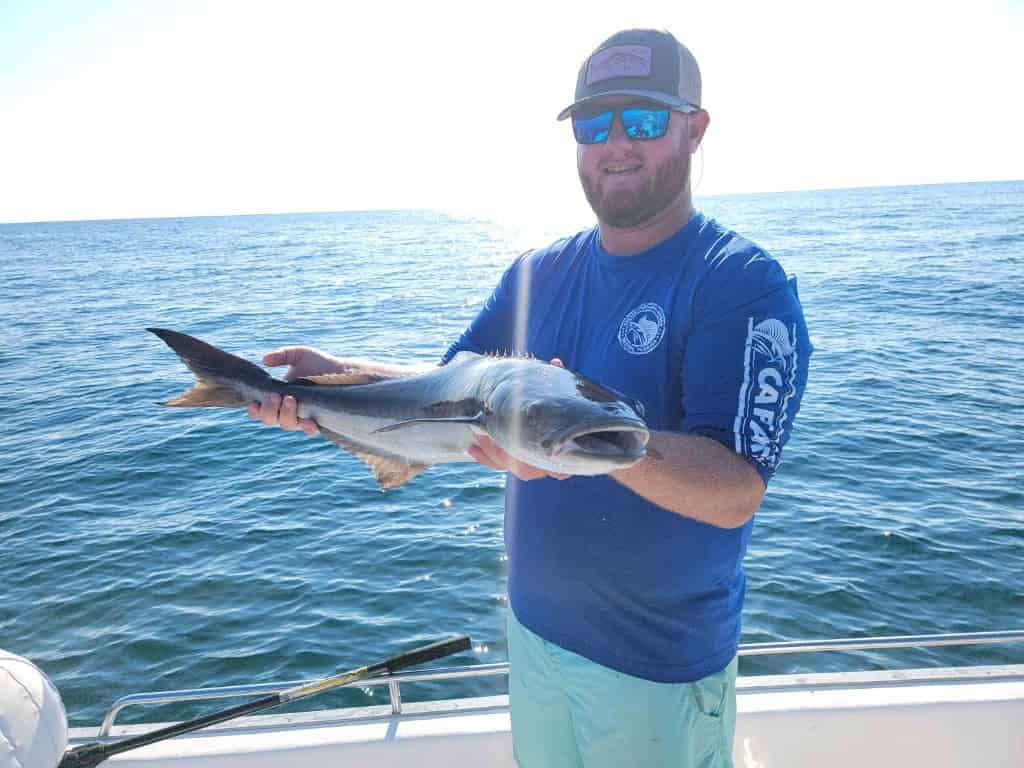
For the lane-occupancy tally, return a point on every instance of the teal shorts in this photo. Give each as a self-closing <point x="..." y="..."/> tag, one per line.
<point x="569" y="711"/>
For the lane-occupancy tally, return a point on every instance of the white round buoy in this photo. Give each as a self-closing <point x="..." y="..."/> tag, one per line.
<point x="33" y="724"/>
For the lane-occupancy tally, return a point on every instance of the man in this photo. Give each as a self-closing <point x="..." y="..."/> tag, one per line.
<point x="626" y="589"/>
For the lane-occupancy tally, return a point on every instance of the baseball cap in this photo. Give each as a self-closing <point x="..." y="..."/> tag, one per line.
<point x="649" y="63"/>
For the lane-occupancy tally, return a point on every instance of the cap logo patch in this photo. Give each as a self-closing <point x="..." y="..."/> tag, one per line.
<point x="619" y="61"/>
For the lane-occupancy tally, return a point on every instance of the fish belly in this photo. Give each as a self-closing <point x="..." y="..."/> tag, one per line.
<point x="422" y="442"/>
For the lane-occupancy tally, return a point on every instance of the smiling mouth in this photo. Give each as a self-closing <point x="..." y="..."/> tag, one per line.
<point x="620" y="170"/>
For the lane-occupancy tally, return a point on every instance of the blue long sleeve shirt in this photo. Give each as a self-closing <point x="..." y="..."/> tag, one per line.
<point x="707" y="331"/>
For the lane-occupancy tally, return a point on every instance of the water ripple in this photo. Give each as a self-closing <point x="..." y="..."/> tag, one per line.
<point x="153" y="549"/>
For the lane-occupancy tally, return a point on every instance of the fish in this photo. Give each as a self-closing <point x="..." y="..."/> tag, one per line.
<point x="541" y="414"/>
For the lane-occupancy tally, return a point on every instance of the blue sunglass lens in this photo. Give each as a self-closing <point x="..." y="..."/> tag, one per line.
<point x="639" y="123"/>
<point x="645" y="123"/>
<point x="592" y="130"/>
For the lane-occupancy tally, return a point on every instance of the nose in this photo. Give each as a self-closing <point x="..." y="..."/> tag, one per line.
<point x="617" y="133"/>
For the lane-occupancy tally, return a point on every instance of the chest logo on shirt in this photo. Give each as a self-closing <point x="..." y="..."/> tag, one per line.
<point x="642" y="329"/>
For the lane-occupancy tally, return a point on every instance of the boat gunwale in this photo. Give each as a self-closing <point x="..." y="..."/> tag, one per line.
<point x="747" y="687"/>
<point x="394" y="681"/>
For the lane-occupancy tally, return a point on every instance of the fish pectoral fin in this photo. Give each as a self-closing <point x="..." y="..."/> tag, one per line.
<point x="477" y="420"/>
<point x="390" y="470"/>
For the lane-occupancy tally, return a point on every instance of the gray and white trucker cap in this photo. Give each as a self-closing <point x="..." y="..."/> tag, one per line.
<point x="648" y="63"/>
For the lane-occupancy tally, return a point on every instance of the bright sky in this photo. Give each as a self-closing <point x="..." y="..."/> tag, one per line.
<point x="128" y="108"/>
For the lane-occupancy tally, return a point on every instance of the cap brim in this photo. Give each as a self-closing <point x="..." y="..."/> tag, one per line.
<point x="659" y="96"/>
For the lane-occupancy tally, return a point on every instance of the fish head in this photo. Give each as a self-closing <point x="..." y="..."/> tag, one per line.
<point x="559" y="421"/>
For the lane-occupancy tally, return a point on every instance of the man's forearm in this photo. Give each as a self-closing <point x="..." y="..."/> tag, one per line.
<point x="696" y="477"/>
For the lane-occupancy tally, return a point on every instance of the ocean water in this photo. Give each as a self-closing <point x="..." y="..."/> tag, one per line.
<point x="148" y="549"/>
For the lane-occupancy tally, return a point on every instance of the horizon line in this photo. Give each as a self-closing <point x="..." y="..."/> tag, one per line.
<point x="455" y="209"/>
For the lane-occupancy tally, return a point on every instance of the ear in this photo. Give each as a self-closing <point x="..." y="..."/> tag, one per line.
<point x="697" y="124"/>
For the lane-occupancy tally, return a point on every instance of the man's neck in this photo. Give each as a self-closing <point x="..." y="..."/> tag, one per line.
<point x="627" y="242"/>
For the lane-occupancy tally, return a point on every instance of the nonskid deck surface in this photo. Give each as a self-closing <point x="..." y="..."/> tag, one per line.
<point x="930" y="717"/>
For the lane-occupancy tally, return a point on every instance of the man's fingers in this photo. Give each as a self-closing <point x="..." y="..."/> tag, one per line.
<point x="283" y="416"/>
<point x="482" y="458"/>
<point x="269" y="410"/>
<point x="289" y="417"/>
<point x="282" y="413"/>
<point x="557" y="361"/>
<point x="283" y="356"/>
<point x="497" y="456"/>
<point x="525" y="471"/>
<point x="487" y="452"/>
<point x="275" y="358"/>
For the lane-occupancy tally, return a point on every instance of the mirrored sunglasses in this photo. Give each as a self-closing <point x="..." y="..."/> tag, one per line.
<point x="639" y="122"/>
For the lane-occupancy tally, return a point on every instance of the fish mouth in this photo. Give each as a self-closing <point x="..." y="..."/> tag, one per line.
<point x="624" y="442"/>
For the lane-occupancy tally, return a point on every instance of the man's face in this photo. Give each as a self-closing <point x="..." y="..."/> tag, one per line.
<point x="629" y="181"/>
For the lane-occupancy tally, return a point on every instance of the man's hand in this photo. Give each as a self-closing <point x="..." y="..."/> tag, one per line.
<point x="486" y="452"/>
<point x="490" y="455"/>
<point x="302" y="361"/>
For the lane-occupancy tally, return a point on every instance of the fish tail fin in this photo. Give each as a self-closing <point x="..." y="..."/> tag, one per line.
<point x="221" y="378"/>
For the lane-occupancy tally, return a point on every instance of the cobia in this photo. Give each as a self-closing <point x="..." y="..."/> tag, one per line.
<point x="541" y="414"/>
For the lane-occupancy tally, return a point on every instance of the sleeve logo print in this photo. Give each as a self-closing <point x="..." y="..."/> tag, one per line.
<point x="769" y="371"/>
<point x="642" y="329"/>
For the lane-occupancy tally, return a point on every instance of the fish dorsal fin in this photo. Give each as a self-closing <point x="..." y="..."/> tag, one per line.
<point x="343" y="379"/>
<point x="390" y="470"/>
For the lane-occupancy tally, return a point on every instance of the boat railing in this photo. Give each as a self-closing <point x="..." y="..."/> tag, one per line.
<point x="394" y="681"/>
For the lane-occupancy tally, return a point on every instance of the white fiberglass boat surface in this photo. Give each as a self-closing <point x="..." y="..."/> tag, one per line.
<point x="965" y="716"/>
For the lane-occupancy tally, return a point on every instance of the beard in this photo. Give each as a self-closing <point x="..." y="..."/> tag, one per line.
<point x="625" y="209"/>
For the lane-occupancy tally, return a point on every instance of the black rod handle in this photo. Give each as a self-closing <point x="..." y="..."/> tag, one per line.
<point x="423" y="654"/>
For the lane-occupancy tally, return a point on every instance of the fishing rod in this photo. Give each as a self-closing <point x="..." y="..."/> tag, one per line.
<point x="89" y="755"/>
